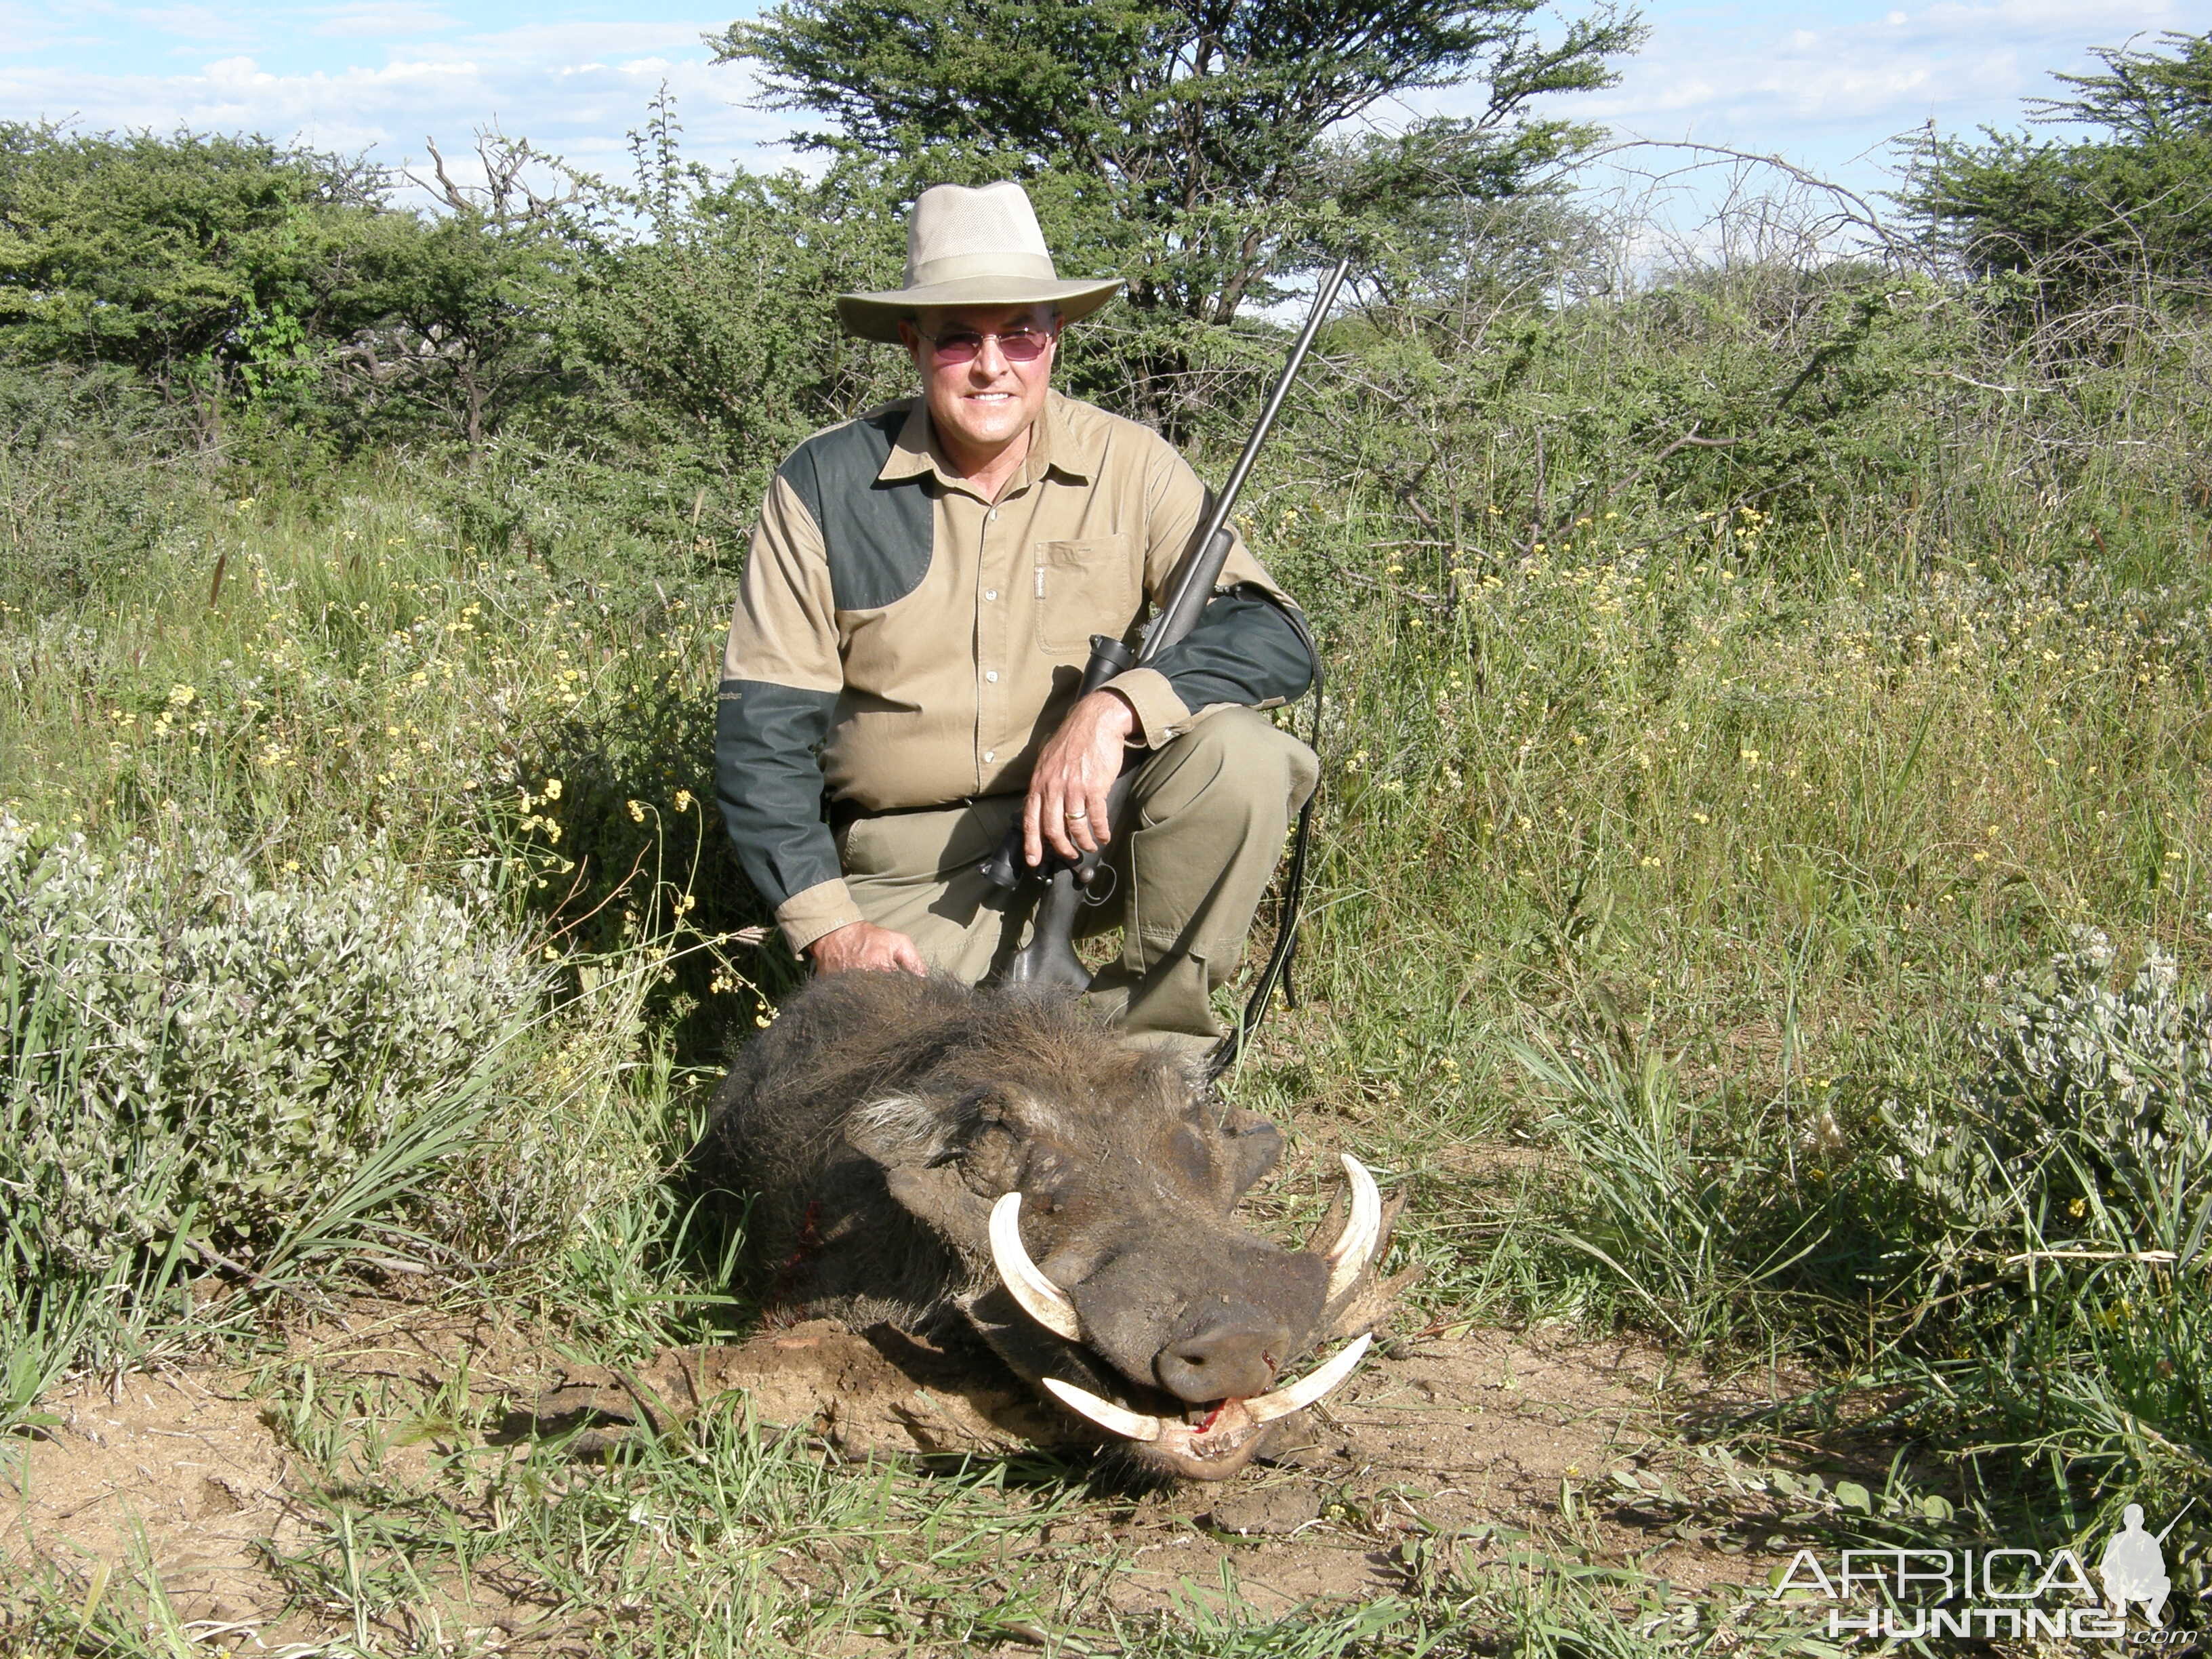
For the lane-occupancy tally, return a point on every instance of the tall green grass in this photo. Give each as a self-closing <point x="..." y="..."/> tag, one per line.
<point x="1697" y="821"/>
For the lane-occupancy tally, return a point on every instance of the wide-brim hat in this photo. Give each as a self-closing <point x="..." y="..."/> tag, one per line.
<point x="972" y="247"/>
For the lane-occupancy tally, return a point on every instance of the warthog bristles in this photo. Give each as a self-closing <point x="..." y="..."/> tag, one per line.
<point x="904" y="1123"/>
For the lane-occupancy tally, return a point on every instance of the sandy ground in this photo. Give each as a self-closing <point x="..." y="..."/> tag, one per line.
<point x="1444" y="1443"/>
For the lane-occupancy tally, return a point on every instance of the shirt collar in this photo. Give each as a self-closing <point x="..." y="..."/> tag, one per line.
<point x="912" y="454"/>
<point x="1058" y="446"/>
<point x="1055" y="445"/>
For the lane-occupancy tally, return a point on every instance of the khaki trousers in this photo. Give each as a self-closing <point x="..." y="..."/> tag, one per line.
<point x="1192" y="858"/>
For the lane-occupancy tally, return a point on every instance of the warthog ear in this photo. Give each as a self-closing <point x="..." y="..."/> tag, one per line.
<point x="1255" y="1147"/>
<point x="899" y="1130"/>
<point x="939" y="1159"/>
<point x="941" y="1200"/>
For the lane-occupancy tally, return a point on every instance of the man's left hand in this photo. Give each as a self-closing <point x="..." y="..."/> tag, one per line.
<point x="1075" y="767"/>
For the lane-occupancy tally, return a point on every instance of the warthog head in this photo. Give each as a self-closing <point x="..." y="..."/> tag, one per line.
<point x="932" y="1155"/>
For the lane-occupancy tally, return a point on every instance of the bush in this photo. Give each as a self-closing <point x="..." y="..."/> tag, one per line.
<point x="93" y="469"/>
<point x="2085" y="219"/>
<point x="186" y="1051"/>
<point x="2062" y="1201"/>
<point x="2086" y="1133"/>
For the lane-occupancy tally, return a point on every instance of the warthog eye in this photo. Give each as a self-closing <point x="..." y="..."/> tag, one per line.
<point x="982" y="1103"/>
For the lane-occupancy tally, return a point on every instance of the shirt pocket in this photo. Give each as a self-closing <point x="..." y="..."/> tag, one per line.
<point x="1085" y="587"/>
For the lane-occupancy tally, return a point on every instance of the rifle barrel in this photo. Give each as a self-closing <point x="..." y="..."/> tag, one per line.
<point x="1196" y="580"/>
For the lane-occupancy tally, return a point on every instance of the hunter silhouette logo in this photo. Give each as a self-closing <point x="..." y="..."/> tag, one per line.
<point x="2134" y="1567"/>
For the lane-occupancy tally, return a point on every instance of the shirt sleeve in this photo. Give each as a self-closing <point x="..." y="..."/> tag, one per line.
<point x="1249" y="646"/>
<point x="780" y="680"/>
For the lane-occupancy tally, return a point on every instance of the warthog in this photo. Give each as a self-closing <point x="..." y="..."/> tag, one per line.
<point x="943" y="1158"/>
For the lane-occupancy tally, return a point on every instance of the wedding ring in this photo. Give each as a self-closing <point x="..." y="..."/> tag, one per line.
<point x="1077" y="817"/>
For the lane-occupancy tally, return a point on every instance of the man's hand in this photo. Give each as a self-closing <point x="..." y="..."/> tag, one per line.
<point x="1075" y="767"/>
<point x="862" y="946"/>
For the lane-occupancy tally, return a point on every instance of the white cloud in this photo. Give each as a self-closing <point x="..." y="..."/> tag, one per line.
<point x="401" y="17"/>
<point x="1765" y="73"/>
<point x="196" y="23"/>
<point x="27" y="29"/>
<point x="573" y="89"/>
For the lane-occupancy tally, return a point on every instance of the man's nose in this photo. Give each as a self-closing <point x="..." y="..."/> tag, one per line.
<point x="989" y="363"/>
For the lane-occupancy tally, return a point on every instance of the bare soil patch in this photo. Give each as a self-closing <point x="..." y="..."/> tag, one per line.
<point x="1481" y="1441"/>
<point x="174" y="1470"/>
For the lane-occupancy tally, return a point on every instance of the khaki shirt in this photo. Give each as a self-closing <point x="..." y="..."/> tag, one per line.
<point x="952" y="630"/>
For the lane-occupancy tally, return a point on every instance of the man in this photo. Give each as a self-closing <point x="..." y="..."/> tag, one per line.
<point x="917" y="607"/>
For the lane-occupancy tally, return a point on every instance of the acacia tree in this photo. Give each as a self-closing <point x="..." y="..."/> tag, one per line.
<point x="2079" y="215"/>
<point x="1200" y="137"/>
<point x="210" y="264"/>
<point x="465" y="297"/>
<point x="693" y="314"/>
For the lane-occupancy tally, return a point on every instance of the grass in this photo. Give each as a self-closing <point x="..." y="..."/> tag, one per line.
<point x="1677" y="840"/>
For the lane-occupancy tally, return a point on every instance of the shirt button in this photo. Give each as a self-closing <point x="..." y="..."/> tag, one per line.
<point x="990" y="592"/>
<point x="994" y="515"/>
<point x="992" y="675"/>
<point x="990" y="754"/>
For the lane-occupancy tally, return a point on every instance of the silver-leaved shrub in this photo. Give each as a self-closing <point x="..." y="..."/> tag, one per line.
<point x="179" y="1039"/>
<point x="2086" y="1133"/>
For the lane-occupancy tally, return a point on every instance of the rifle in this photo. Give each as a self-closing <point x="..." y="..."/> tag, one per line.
<point x="1049" y="959"/>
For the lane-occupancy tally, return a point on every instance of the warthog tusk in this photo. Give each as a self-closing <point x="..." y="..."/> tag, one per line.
<point x="1302" y="1392"/>
<point x="1042" y="1299"/>
<point x="1348" y="1259"/>
<point x="1260" y="1410"/>
<point x="1118" y="1419"/>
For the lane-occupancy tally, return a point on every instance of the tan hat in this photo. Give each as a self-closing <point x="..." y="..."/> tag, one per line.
<point x="972" y="247"/>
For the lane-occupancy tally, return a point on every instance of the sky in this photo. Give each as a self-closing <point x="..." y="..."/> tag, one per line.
<point x="1826" y="86"/>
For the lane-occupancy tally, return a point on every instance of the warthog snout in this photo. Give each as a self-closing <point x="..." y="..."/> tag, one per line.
<point x="1234" y="1353"/>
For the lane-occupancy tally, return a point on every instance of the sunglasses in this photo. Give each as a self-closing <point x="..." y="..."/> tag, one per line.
<point x="1020" y="345"/>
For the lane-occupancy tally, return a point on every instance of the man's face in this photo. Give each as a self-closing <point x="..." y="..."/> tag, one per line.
<point x="984" y="403"/>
